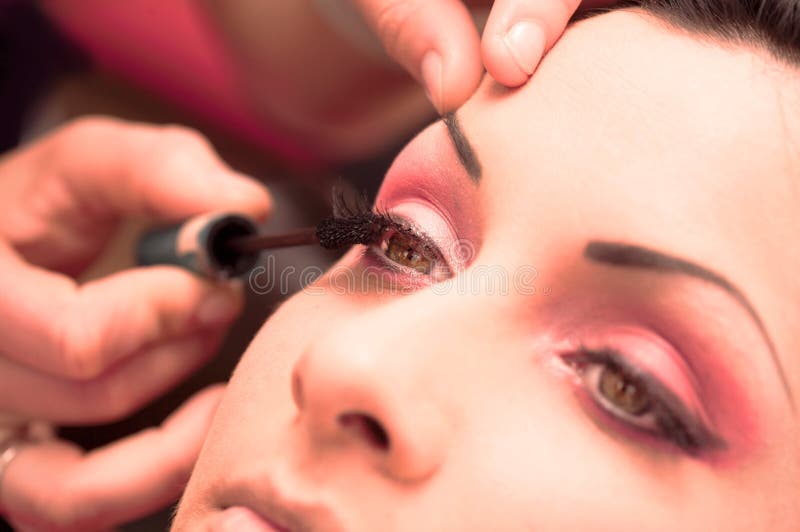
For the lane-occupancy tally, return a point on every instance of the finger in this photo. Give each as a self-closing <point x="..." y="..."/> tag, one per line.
<point x="55" y="485"/>
<point x="169" y="172"/>
<point x="95" y="171"/>
<point x="519" y="32"/>
<point x="56" y="326"/>
<point x="120" y="391"/>
<point x="443" y="56"/>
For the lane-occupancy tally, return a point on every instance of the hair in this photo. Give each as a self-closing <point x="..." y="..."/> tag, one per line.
<point x="773" y="25"/>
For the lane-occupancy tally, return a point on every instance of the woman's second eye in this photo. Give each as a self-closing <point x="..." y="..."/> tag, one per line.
<point x="619" y="392"/>
<point x="623" y="392"/>
<point x="640" y="400"/>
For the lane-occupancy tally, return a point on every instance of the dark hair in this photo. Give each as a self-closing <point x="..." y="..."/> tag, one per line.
<point x="772" y="24"/>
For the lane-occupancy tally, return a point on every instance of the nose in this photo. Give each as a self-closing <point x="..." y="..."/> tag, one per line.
<point x="366" y="390"/>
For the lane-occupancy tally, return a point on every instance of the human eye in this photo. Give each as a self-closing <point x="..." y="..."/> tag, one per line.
<point x="639" y="400"/>
<point x="404" y="247"/>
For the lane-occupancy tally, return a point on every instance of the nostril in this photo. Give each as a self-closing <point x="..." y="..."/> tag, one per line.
<point x="367" y="427"/>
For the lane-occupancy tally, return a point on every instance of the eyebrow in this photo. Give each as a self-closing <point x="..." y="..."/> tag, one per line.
<point x="632" y="256"/>
<point x="466" y="155"/>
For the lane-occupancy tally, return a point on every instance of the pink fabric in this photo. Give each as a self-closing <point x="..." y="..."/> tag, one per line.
<point x="168" y="47"/>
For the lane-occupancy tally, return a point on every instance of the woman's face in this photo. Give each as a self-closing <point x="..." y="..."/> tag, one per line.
<point x="616" y="349"/>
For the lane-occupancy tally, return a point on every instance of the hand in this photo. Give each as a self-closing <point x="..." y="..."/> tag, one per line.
<point x="95" y="352"/>
<point x="437" y="42"/>
<point x="56" y="486"/>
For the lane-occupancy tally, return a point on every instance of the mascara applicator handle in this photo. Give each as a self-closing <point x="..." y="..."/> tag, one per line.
<point x="201" y="245"/>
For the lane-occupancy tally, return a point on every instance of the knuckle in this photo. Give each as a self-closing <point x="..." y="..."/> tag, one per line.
<point x="87" y="129"/>
<point x="78" y="133"/>
<point x="79" y="347"/>
<point x="178" y="148"/>
<point x="104" y="400"/>
<point x="172" y="137"/>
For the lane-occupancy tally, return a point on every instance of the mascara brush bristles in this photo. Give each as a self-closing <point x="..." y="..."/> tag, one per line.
<point x="351" y="223"/>
<point x="330" y="233"/>
<point x="338" y="233"/>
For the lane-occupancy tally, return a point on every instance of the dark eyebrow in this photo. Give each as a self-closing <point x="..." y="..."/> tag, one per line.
<point x="463" y="148"/>
<point x="631" y="256"/>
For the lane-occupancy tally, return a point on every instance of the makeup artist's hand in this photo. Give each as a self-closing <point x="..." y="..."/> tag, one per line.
<point x="437" y="42"/>
<point x="95" y="352"/>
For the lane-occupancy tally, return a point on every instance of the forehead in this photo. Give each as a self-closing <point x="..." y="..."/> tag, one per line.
<point x="631" y="130"/>
<point x="625" y="101"/>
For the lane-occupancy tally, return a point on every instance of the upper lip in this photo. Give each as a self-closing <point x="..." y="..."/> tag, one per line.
<point x="286" y="510"/>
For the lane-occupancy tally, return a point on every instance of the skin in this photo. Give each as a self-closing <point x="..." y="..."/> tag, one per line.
<point x="83" y="352"/>
<point x="677" y="144"/>
<point x="449" y="59"/>
<point x="94" y="351"/>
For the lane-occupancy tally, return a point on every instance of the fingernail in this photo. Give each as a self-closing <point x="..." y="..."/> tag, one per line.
<point x="431" y="69"/>
<point x="525" y="42"/>
<point x="220" y="307"/>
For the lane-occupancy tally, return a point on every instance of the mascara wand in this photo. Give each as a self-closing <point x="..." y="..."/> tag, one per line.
<point x="256" y="243"/>
<point x="223" y="246"/>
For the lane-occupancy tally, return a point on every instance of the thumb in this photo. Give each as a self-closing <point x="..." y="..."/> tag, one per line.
<point x="518" y="33"/>
<point x="444" y="57"/>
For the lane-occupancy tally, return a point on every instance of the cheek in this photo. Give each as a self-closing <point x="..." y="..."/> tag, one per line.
<point x="529" y="452"/>
<point x="258" y="402"/>
<point x="260" y="387"/>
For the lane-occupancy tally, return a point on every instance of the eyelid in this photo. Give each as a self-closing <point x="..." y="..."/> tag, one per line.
<point x="651" y="383"/>
<point x="648" y="353"/>
<point x="647" y="356"/>
<point x="409" y="227"/>
<point x="401" y="218"/>
<point x="430" y="223"/>
<point x="665" y="407"/>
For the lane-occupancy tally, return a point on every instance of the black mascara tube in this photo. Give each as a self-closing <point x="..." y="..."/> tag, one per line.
<point x="202" y="245"/>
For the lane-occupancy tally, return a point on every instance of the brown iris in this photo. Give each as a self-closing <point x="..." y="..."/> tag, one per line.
<point x="623" y="391"/>
<point x="407" y="251"/>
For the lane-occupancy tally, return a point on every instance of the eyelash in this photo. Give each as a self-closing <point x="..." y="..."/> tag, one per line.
<point x="671" y="420"/>
<point x="378" y="227"/>
<point x="420" y="243"/>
